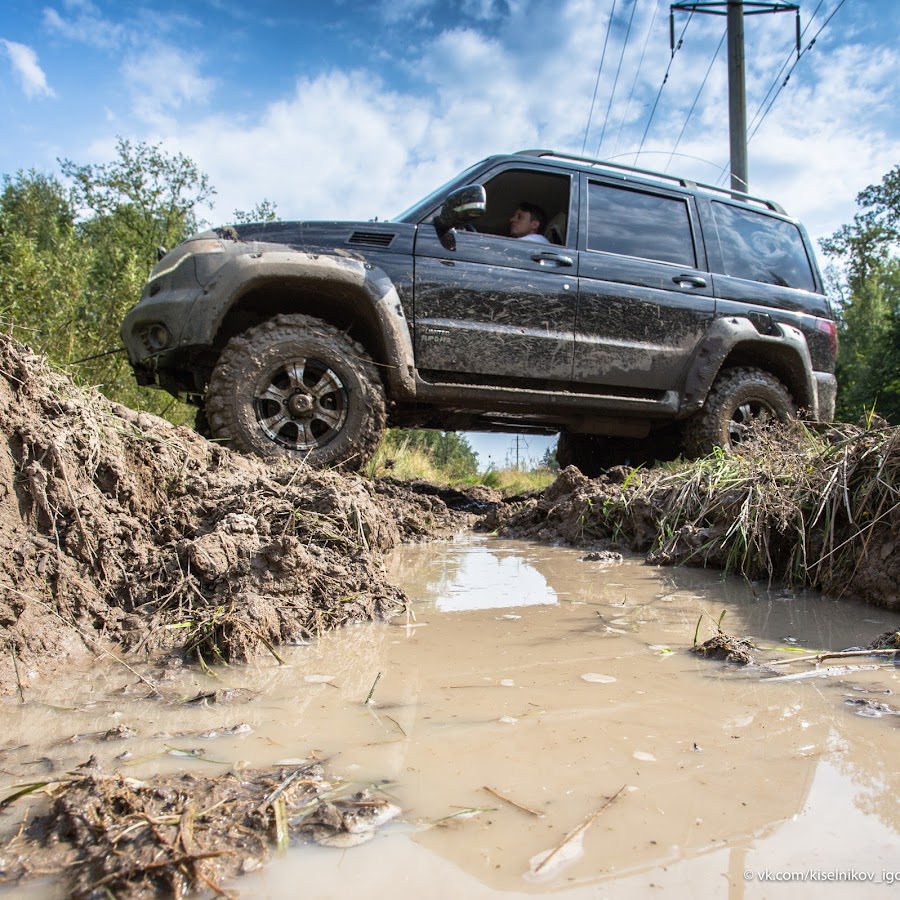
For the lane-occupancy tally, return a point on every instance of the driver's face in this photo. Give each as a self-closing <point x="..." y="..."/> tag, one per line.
<point x="522" y="223"/>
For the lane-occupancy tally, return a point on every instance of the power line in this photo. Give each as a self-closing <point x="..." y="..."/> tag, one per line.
<point x="784" y="65"/>
<point x="675" y="49"/>
<point x="787" y="78"/>
<point x="800" y="56"/>
<point x="616" y="79"/>
<point x="697" y="98"/>
<point x="636" y="74"/>
<point x="599" y="70"/>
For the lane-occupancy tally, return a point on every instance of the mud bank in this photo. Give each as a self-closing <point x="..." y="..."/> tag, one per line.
<point x="121" y="529"/>
<point x="791" y="507"/>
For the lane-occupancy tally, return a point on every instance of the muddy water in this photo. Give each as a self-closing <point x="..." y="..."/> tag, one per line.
<point x="525" y="689"/>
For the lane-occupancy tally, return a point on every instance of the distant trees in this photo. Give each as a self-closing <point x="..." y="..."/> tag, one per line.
<point x="865" y="283"/>
<point x="73" y="259"/>
<point x="450" y="452"/>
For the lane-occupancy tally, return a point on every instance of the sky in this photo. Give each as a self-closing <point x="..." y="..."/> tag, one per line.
<point x="357" y="108"/>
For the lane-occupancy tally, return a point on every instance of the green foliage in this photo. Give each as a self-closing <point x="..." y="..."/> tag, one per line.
<point x="74" y="259"/>
<point x="44" y="266"/>
<point x="549" y="460"/>
<point x="866" y="288"/>
<point x="144" y="199"/>
<point x="444" y="457"/>
<point x="264" y="211"/>
<point x="450" y="453"/>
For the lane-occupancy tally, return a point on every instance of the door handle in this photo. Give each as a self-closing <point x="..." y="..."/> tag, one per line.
<point x="689" y="281"/>
<point x="558" y="258"/>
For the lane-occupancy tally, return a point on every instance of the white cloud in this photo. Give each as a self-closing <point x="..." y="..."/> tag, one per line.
<point x="84" y="24"/>
<point x="162" y="79"/>
<point x="28" y="70"/>
<point x="343" y="144"/>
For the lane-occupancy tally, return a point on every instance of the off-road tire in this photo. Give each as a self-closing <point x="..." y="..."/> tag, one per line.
<point x="594" y="454"/>
<point x="580" y="450"/>
<point x="201" y="424"/>
<point x="737" y="398"/>
<point x="295" y="386"/>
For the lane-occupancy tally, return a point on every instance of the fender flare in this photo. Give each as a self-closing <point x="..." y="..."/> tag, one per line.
<point x="784" y="353"/>
<point x="342" y="280"/>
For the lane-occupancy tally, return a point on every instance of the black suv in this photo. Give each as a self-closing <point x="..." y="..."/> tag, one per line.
<point x="660" y="316"/>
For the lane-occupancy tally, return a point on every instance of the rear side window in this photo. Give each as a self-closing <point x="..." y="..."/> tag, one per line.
<point x="761" y="248"/>
<point x="641" y="224"/>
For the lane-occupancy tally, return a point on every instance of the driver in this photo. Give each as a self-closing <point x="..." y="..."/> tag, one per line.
<point x="528" y="222"/>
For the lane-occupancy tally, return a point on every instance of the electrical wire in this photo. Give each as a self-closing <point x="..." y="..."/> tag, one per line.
<point x="597" y="82"/>
<point x="636" y="75"/>
<point x="787" y="77"/>
<point x="616" y="79"/>
<point x="697" y="98"/>
<point x="806" y="49"/>
<point x="675" y="49"/>
<point x="784" y="65"/>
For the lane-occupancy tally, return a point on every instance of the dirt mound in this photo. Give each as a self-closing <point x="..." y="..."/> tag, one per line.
<point x="789" y="506"/>
<point x="119" y="524"/>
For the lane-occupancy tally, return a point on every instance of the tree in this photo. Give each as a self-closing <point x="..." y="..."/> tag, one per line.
<point x="549" y="460"/>
<point x="148" y="198"/>
<point x="864" y="287"/>
<point x="264" y="211"/>
<point x="143" y="200"/>
<point x="450" y="452"/>
<point x="44" y="267"/>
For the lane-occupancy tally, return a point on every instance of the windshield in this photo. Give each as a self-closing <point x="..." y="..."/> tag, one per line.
<point x="418" y="210"/>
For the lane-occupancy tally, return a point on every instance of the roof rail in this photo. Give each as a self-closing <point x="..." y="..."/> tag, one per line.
<point x="661" y="176"/>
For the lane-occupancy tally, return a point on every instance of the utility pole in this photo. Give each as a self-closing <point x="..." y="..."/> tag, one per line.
<point x="735" y="10"/>
<point x="518" y="440"/>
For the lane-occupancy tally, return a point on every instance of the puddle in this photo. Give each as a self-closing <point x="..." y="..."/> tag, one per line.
<point x="525" y="689"/>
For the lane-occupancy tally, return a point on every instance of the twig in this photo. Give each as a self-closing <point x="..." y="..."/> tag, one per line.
<point x="819" y="657"/>
<point x="391" y="719"/>
<point x="500" y="796"/>
<point x="57" y="458"/>
<point x="577" y="832"/>
<point x="372" y="689"/>
<point x="142" y="869"/>
<point x="280" y="789"/>
<point x="87" y="637"/>
<point x="18" y="679"/>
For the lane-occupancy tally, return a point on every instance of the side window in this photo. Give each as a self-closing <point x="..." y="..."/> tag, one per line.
<point x="507" y="190"/>
<point x="637" y="223"/>
<point x="762" y="248"/>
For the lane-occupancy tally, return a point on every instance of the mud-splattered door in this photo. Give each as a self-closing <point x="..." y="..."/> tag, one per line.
<point x="645" y="299"/>
<point x="494" y="306"/>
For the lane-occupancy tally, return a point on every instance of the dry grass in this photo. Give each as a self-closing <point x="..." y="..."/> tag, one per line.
<point x="790" y="505"/>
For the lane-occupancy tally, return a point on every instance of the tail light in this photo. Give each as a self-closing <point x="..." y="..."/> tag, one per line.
<point x="828" y="327"/>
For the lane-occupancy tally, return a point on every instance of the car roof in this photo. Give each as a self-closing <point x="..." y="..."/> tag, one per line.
<point x="558" y="160"/>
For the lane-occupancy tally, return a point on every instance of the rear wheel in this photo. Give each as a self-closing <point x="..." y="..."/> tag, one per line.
<point x="738" y="398"/>
<point x="296" y="386"/>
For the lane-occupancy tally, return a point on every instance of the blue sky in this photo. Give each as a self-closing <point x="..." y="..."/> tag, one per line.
<point x="355" y="109"/>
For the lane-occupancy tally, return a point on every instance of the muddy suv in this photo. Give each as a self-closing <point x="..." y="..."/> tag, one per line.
<point x="660" y="316"/>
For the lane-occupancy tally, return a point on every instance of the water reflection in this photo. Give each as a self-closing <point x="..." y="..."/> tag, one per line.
<point x="483" y="685"/>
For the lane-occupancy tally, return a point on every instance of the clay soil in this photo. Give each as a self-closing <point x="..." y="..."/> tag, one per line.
<point x="116" y="526"/>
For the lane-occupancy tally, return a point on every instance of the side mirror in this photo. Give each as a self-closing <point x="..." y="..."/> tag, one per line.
<point x="463" y="205"/>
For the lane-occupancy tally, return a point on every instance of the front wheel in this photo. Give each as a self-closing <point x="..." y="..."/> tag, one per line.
<point x="296" y="386"/>
<point x="738" y="398"/>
